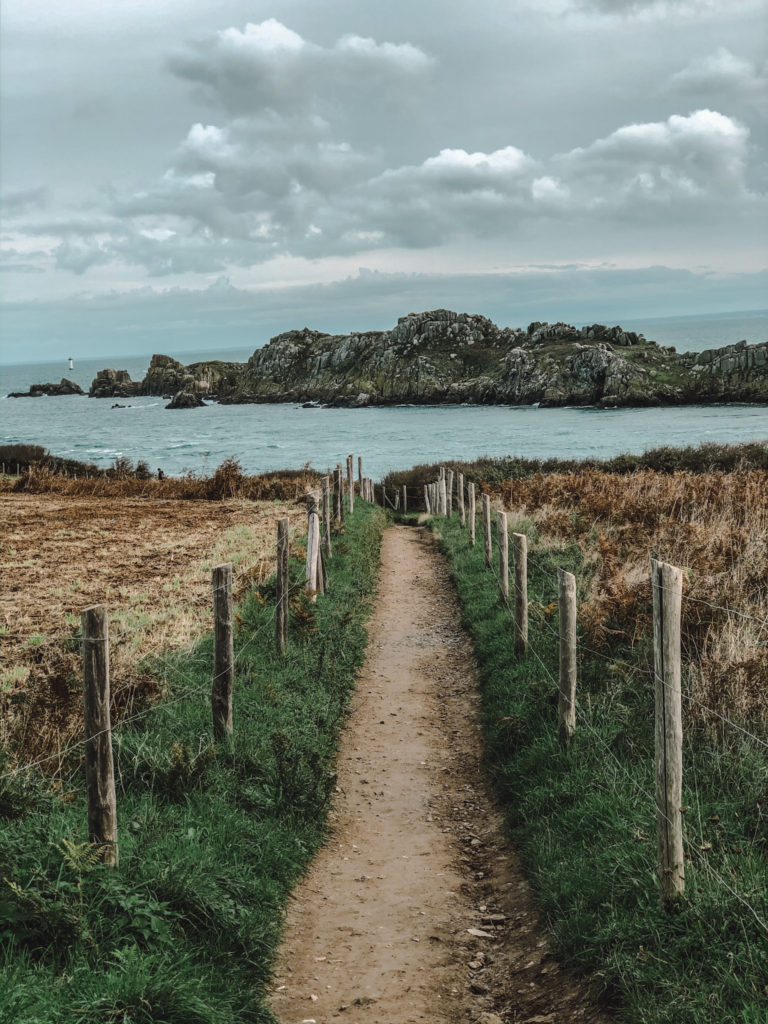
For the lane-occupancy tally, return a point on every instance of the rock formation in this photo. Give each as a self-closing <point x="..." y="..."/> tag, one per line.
<point x="65" y="387"/>
<point x="166" y="377"/>
<point x="441" y="357"/>
<point x="185" y="400"/>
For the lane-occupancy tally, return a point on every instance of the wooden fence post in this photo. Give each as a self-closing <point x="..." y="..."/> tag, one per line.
<point x="404" y="502"/>
<point x="99" y="769"/>
<point x="443" y="496"/>
<point x="360" y="473"/>
<point x="224" y="655"/>
<point x="313" y="546"/>
<point x="462" y="513"/>
<point x="502" y="538"/>
<point x="327" y="516"/>
<point x="566" y="702"/>
<point x="281" y="619"/>
<point x="449" y="491"/>
<point x="351" y="483"/>
<point x="471" y="496"/>
<point x="520" y="546"/>
<point x="340" y="474"/>
<point x="487" y="529"/>
<point x="667" y="597"/>
<point x="427" y="503"/>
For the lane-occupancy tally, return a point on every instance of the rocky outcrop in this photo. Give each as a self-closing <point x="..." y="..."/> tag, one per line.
<point x="65" y="387"/>
<point x="185" y="400"/>
<point x="114" y="384"/>
<point x="440" y="357"/>
<point x="167" y="377"/>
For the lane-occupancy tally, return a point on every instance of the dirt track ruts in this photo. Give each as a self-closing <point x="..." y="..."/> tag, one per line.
<point x="378" y="931"/>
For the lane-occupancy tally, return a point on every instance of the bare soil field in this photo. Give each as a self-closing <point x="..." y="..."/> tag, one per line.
<point x="147" y="558"/>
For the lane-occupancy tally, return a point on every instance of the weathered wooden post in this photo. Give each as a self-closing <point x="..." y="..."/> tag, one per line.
<point x="223" y="651"/>
<point x="327" y="516"/>
<point x="566" y="702"/>
<point x="487" y="529"/>
<point x="360" y="473"/>
<point x="313" y="546"/>
<point x="502" y="538"/>
<point x="99" y="769"/>
<point x="460" y="495"/>
<point x="520" y="548"/>
<point x="443" y="496"/>
<point x="404" y="502"/>
<point x="397" y="499"/>
<point x="281" y="619"/>
<point x="667" y="582"/>
<point x="449" y="491"/>
<point x="471" y="520"/>
<point x="427" y="502"/>
<point x="351" y="483"/>
<point x="340" y="473"/>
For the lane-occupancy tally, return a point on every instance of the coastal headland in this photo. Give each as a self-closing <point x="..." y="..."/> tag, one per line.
<point x="442" y="357"/>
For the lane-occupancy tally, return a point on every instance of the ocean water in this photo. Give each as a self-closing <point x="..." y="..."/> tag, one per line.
<point x="266" y="437"/>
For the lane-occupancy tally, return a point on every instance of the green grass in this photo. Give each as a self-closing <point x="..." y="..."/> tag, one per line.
<point x="212" y="838"/>
<point x="585" y="825"/>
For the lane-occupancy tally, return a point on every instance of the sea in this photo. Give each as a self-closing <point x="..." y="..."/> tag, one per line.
<point x="286" y="436"/>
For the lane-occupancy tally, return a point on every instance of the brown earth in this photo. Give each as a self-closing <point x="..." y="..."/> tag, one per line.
<point x="148" y="559"/>
<point x="416" y="909"/>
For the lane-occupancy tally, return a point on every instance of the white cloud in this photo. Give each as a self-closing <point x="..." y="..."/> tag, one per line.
<point x="701" y="155"/>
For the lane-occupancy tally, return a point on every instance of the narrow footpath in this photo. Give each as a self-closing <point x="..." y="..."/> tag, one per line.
<point x="416" y="908"/>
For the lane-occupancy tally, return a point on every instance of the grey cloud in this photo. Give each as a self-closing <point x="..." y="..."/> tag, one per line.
<point x="236" y="195"/>
<point x="24" y="201"/>
<point x="268" y="66"/>
<point x="662" y="7"/>
<point x="723" y="74"/>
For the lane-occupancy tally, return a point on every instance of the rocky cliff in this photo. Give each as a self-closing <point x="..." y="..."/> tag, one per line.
<point x="443" y="357"/>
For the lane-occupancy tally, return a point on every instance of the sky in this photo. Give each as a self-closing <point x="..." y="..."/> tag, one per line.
<point x="178" y="175"/>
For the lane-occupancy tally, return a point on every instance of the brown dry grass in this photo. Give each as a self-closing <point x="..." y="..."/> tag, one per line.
<point x="712" y="525"/>
<point x="148" y="558"/>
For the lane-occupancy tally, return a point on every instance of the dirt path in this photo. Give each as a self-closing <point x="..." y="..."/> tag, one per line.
<point x="416" y="909"/>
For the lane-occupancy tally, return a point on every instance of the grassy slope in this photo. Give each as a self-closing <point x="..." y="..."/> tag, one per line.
<point x="585" y="823"/>
<point x="211" y="840"/>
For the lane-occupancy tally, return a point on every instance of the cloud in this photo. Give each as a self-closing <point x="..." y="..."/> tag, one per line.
<point x="684" y="159"/>
<point x="23" y="201"/>
<point x="240" y="194"/>
<point x="269" y="67"/>
<point x="722" y="73"/>
<point x="664" y="8"/>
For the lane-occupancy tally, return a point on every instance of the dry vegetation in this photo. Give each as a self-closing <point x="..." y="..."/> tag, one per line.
<point x="713" y="525"/>
<point x="130" y="544"/>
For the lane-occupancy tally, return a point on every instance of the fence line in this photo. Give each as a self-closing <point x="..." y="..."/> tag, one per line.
<point x="648" y="796"/>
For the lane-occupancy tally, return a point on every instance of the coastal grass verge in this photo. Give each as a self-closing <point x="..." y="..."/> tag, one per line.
<point x="212" y="836"/>
<point x="494" y="472"/>
<point x="584" y="820"/>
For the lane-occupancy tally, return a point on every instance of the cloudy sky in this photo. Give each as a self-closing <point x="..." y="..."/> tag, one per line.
<point x="180" y="175"/>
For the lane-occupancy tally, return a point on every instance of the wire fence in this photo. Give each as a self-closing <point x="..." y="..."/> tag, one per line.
<point x="695" y="845"/>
